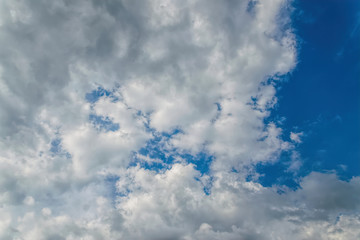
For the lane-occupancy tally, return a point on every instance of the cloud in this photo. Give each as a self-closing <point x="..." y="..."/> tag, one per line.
<point x="185" y="77"/>
<point x="173" y="203"/>
<point x="296" y="137"/>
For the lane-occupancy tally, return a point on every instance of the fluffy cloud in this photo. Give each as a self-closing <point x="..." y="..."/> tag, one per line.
<point x="185" y="77"/>
<point x="173" y="205"/>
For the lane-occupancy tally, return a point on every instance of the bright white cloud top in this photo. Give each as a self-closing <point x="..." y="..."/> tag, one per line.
<point x="86" y="85"/>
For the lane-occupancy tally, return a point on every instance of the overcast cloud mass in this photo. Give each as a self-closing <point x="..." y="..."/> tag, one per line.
<point x="145" y="120"/>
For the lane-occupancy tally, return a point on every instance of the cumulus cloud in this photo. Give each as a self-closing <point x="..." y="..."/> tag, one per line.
<point x="173" y="80"/>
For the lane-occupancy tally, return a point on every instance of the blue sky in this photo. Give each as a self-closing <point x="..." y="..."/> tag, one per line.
<point x="321" y="97"/>
<point x="180" y="119"/>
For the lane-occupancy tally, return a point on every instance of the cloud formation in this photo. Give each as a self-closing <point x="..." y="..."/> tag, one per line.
<point x="103" y="103"/>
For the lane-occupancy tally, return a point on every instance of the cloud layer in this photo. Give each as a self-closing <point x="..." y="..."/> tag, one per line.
<point x="106" y="107"/>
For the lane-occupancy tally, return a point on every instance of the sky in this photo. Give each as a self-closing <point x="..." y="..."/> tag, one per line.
<point x="321" y="96"/>
<point x="179" y="119"/>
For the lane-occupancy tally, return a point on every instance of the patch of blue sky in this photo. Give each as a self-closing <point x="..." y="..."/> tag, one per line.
<point x="321" y="98"/>
<point x="218" y="107"/>
<point x="156" y="165"/>
<point x="103" y="123"/>
<point x="201" y="161"/>
<point x="56" y="148"/>
<point x="160" y="157"/>
<point x="98" y="93"/>
<point x="277" y="173"/>
<point x="155" y="148"/>
<point x="251" y="6"/>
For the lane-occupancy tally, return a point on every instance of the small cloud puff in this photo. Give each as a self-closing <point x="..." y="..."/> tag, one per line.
<point x="296" y="137"/>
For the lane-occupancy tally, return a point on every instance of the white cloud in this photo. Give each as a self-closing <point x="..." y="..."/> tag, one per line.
<point x="202" y="68"/>
<point x="174" y="204"/>
<point x="46" y="211"/>
<point x="296" y="137"/>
